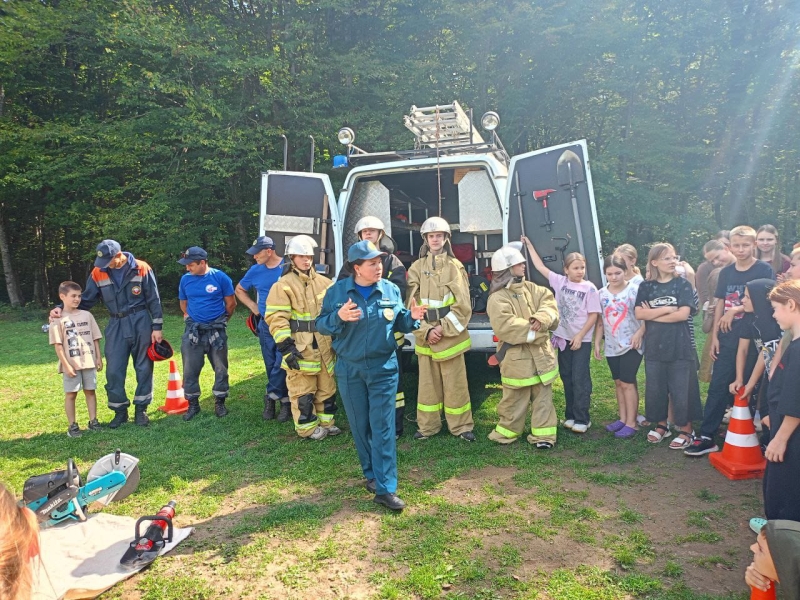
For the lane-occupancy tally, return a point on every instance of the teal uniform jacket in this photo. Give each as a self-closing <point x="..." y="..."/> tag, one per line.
<point x="366" y="371"/>
<point x="372" y="337"/>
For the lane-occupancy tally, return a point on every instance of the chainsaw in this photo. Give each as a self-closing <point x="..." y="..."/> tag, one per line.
<point x="62" y="496"/>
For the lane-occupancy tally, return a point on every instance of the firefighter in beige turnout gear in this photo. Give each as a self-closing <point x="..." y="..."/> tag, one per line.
<point x="437" y="279"/>
<point x="522" y="315"/>
<point x="294" y="301"/>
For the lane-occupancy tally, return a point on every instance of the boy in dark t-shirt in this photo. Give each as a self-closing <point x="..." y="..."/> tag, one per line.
<point x="726" y="333"/>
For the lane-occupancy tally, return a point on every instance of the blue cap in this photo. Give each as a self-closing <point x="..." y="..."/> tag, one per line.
<point x="106" y="251"/>
<point x="193" y="254"/>
<point x="363" y="250"/>
<point x="261" y="243"/>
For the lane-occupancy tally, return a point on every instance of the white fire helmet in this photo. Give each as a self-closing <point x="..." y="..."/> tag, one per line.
<point x="433" y="224"/>
<point x="369" y="223"/>
<point x="301" y="245"/>
<point x="505" y="258"/>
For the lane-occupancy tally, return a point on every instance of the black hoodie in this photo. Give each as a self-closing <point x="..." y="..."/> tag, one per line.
<point x="763" y="329"/>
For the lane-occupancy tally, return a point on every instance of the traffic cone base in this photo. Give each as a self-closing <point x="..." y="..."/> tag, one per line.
<point x="741" y="456"/>
<point x="175" y="403"/>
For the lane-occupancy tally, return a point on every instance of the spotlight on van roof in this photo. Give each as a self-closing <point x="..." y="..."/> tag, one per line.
<point x="490" y="120"/>
<point x="346" y="136"/>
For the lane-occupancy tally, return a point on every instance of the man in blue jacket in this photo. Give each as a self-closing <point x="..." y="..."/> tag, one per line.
<point x="128" y="288"/>
<point x="361" y="314"/>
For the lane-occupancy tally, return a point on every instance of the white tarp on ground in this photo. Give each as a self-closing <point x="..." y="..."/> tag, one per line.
<point x="81" y="560"/>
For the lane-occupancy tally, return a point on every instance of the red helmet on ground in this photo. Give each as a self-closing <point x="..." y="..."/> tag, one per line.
<point x="253" y="321"/>
<point x="160" y="351"/>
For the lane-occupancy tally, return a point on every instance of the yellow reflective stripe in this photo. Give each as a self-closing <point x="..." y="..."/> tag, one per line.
<point x="466" y="344"/>
<point x="305" y="365"/>
<point x="277" y="307"/>
<point x="400" y="396"/>
<point x="457" y="411"/>
<point x="331" y="365"/>
<point x="304" y="426"/>
<point x="325" y="418"/>
<point x="282" y="334"/>
<point x="399" y="403"/>
<point x="506" y="432"/>
<point x="448" y="300"/>
<point x="429" y="407"/>
<point x="544" y="379"/>
<point x="544" y="430"/>
<point x="298" y="316"/>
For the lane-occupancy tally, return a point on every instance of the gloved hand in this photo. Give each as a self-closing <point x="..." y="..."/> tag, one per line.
<point x="290" y="353"/>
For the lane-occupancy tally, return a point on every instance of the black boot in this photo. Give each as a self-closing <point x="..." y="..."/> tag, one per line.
<point x="141" y="417"/>
<point x="219" y="407"/>
<point x="120" y="417"/>
<point x="269" y="408"/>
<point x="286" y="412"/>
<point x="194" y="409"/>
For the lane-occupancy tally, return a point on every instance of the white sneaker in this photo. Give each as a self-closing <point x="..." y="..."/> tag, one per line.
<point x="334" y="430"/>
<point x="581" y="427"/>
<point x="569" y="423"/>
<point x="320" y="433"/>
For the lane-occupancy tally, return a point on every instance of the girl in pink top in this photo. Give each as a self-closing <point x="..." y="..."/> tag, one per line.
<point x="578" y="310"/>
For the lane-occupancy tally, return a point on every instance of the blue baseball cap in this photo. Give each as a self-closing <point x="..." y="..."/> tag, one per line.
<point x="363" y="250"/>
<point x="261" y="243"/>
<point x="193" y="254"/>
<point x="106" y="251"/>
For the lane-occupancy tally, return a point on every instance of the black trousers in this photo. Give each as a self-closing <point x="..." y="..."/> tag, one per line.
<point x="573" y="367"/>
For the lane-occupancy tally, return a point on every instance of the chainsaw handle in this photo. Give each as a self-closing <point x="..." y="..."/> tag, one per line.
<point x="152" y="518"/>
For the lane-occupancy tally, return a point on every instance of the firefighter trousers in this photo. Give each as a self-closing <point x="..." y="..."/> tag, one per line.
<point x="513" y="412"/>
<point x="368" y="394"/>
<point x="443" y="385"/>
<point x="125" y="338"/>
<point x="313" y="398"/>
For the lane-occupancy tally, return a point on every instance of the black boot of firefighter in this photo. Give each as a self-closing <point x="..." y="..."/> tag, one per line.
<point x="194" y="409"/>
<point x="286" y="411"/>
<point x="120" y="417"/>
<point x="141" y="417"/>
<point x="269" y="408"/>
<point x="219" y="407"/>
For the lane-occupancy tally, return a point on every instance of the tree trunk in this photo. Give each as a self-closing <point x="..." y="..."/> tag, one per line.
<point x="12" y="283"/>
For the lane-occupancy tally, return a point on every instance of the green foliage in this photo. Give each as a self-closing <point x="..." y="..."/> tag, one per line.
<point x="150" y="121"/>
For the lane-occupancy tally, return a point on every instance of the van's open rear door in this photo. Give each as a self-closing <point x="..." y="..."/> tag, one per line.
<point x="557" y="205"/>
<point x="301" y="203"/>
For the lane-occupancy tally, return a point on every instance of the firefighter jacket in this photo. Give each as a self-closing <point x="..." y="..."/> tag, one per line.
<point x="371" y="338"/>
<point x="293" y="303"/>
<point x="442" y="284"/>
<point x="138" y="292"/>
<point x="528" y="357"/>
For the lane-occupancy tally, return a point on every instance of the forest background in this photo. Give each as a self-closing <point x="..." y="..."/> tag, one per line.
<point x="149" y="121"/>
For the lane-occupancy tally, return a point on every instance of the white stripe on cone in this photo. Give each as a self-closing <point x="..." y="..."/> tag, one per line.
<point x="742" y="440"/>
<point x="174" y="376"/>
<point x="175" y="393"/>
<point x="741" y="412"/>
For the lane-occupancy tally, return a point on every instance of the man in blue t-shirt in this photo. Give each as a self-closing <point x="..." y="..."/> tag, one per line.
<point x="207" y="302"/>
<point x="261" y="276"/>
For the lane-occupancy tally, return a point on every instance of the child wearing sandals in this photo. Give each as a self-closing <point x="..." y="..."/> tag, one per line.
<point x="578" y="309"/>
<point x="623" y="336"/>
<point x="665" y="301"/>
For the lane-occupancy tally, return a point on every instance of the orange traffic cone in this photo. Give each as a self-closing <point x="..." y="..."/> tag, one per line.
<point x="741" y="455"/>
<point x="757" y="594"/>
<point x="176" y="403"/>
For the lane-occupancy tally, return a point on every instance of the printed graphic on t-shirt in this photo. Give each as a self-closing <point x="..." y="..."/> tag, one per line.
<point x="733" y="298"/>
<point x="662" y="301"/>
<point x="76" y="333"/>
<point x="570" y="303"/>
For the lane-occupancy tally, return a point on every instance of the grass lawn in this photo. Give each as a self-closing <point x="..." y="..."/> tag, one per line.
<point x="279" y="517"/>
